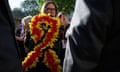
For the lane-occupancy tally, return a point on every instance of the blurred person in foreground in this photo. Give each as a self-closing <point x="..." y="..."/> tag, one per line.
<point x="9" y="53"/>
<point x="94" y="37"/>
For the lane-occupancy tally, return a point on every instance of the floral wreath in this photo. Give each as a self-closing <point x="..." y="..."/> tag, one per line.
<point x="44" y="30"/>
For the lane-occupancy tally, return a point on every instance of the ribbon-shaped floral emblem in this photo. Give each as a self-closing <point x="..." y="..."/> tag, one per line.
<point x="44" y="30"/>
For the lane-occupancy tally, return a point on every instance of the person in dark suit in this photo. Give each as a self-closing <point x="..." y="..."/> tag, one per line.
<point x="93" y="39"/>
<point x="9" y="53"/>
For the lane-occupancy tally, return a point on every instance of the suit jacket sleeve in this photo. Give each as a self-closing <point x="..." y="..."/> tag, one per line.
<point x="9" y="55"/>
<point x="87" y="35"/>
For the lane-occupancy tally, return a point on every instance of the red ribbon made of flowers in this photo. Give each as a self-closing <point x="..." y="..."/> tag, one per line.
<point x="51" y="36"/>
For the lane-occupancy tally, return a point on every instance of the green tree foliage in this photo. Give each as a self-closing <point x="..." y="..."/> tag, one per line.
<point x="40" y="3"/>
<point x="30" y="7"/>
<point x="17" y="12"/>
<point x="65" y="5"/>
